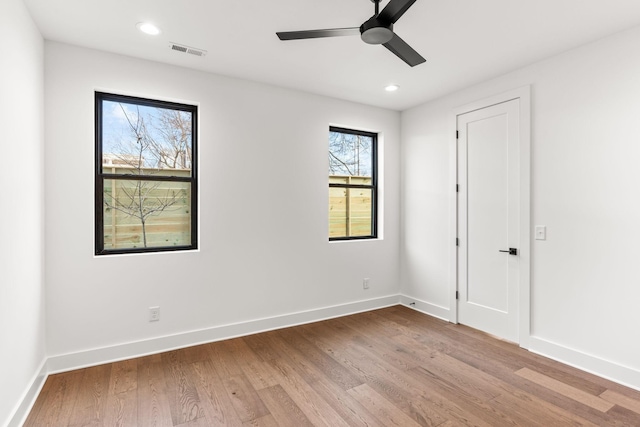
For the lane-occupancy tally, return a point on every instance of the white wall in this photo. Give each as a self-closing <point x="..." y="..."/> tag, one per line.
<point x="585" y="281"/>
<point x="22" y="327"/>
<point x="263" y="209"/>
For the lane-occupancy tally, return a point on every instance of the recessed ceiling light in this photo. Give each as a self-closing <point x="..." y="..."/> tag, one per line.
<point x="392" y="88"/>
<point x="148" y="28"/>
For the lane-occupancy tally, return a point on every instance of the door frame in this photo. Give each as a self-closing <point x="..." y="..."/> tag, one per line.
<point x="524" y="305"/>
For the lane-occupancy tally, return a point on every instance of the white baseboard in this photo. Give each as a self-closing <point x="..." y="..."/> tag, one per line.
<point x="98" y="356"/>
<point x="29" y="397"/>
<point x="425" y="307"/>
<point x="620" y="374"/>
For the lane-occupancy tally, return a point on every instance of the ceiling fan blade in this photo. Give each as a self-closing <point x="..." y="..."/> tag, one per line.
<point x="395" y="9"/>
<point x="403" y="51"/>
<point x="314" y="34"/>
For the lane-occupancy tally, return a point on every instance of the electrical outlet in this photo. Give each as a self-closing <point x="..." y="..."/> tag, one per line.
<point x="154" y="314"/>
<point x="365" y="283"/>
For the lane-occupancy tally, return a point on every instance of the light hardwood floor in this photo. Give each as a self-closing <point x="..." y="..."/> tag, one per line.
<point x="389" y="367"/>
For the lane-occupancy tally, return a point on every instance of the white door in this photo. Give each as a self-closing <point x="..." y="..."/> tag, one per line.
<point x="488" y="219"/>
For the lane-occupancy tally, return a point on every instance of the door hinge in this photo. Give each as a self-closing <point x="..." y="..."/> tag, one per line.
<point x="457" y="242"/>
<point x="457" y="188"/>
<point x="457" y="295"/>
<point x="457" y="134"/>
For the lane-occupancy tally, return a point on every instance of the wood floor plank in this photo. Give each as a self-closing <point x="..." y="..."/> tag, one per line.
<point x="490" y="362"/>
<point x="336" y="339"/>
<point x="315" y="408"/>
<point x="385" y="347"/>
<point x="259" y="373"/>
<point x="226" y="363"/>
<point x="123" y="377"/>
<point x="319" y="363"/>
<point x="91" y="400"/>
<point x="525" y="409"/>
<point x="184" y="400"/>
<point x="458" y="405"/>
<point x="563" y="373"/>
<point x="562" y="388"/>
<point x="482" y="386"/>
<point x="153" y="399"/>
<point x="330" y="342"/>
<point x="214" y="397"/>
<point x="397" y="386"/>
<point x="298" y="381"/>
<point x="244" y="398"/>
<point x="283" y="409"/>
<point x="619" y="416"/>
<point x="42" y="403"/>
<point x="197" y="353"/>
<point x="197" y="422"/>
<point x="509" y="353"/>
<point x="621" y="400"/>
<point x="266" y="421"/>
<point x="382" y="324"/>
<point x="497" y="358"/>
<point x="424" y="407"/>
<point x="121" y="409"/>
<point x="345" y="404"/>
<point x="61" y="393"/>
<point x="387" y="412"/>
<point x="466" y="377"/>
<point x="465" y="416"/>
<point x="393" y="366"/>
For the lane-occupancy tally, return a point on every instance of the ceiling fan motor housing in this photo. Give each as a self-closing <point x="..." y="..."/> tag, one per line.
<point x="375" y="31"/>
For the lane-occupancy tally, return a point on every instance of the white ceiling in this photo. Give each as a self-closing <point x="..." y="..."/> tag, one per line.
<point x="464" y="41"/>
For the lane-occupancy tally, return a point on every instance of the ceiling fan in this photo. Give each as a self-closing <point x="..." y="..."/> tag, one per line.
<point x="376" y="30"/>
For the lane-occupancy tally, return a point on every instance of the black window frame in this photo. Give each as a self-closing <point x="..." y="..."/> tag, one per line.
<point x="373" y="187"/>
<point x="100" y="177"/>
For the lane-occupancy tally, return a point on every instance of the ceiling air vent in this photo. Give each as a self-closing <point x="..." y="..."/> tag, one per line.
<point x="187" y="49"/>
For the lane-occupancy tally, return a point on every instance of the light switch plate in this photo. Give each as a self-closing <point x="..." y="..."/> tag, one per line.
<point x="541" y="232"/>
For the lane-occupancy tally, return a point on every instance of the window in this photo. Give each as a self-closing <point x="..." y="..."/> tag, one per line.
<point x="352" y="184"/>
<point x="146" y="178"/>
